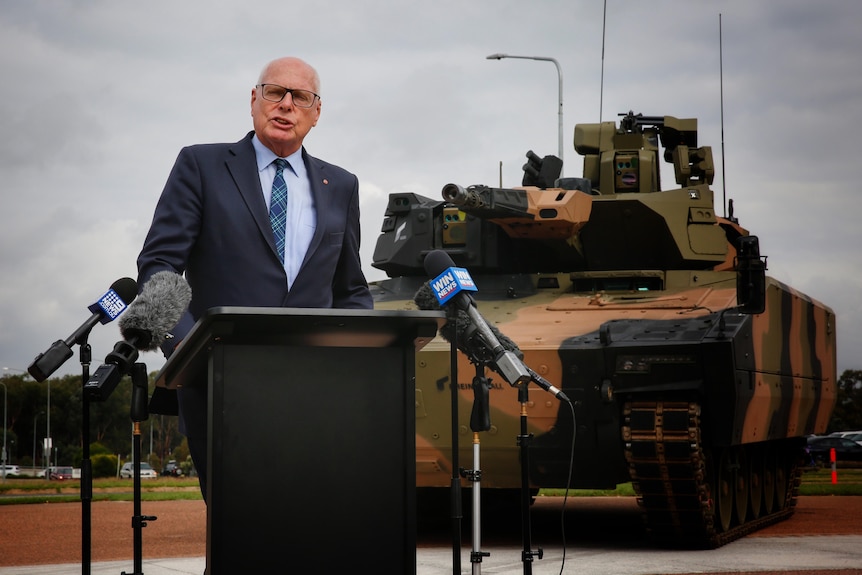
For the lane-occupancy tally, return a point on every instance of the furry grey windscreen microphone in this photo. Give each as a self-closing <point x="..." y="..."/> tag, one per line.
<point x="470" y="342"/>
<point x="462" y="330"/>
<point x="155" y="312"/>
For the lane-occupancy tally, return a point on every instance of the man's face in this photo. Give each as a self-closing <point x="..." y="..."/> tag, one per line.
<point x="282" y="126"/>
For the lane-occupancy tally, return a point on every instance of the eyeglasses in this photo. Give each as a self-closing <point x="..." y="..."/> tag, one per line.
<point x="276" y="93"/>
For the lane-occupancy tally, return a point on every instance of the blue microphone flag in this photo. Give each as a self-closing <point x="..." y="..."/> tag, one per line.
<point x="110" y="305"/>
<point x="452" y="282"/>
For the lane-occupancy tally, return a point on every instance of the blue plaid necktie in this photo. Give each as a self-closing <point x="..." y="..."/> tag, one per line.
<point x="278" y="207"/>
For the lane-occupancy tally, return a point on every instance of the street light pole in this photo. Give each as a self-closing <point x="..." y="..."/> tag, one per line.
<point x="559" y="93"/>
<point x="3" y="455"/>
<point x="35" y="418"/>
<point x="48" y="431"/>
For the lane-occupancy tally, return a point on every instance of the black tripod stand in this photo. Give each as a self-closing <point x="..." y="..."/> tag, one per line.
<point x="138" y="413"/>
<point x="121" y="361"/>
<point x="480" y="420"/>
<point x="86" y="355"/>
<point x="88" y="393"/>
<point x="455" y="513"/>
<point x="524" y="440"/>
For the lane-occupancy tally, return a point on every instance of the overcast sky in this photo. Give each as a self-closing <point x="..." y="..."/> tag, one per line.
<point x="98" y="97"/>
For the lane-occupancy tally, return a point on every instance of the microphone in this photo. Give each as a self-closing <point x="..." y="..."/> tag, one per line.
<point x="160" y="305"/>
<point x="470" y="342"/>
<point x="450" y="283"/>
<point x="462" y="331"/>
<point x="106" y="309"/>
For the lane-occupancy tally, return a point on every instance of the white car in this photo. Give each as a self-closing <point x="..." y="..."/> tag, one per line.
<point x="9" y="470"/>
<point x="857" y="437"/>
<point x="147" y="472"/>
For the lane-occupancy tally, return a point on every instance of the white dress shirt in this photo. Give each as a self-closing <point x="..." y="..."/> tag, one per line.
<point x="301" y="212"/>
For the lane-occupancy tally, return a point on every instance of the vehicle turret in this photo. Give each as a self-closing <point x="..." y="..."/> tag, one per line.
<point x="613" y="218"/>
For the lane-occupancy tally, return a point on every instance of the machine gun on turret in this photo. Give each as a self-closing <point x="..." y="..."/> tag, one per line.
<point x="525" y="212"/>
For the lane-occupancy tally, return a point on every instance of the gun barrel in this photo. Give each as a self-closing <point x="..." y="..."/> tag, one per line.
<point x="524" y="212"/>
<point x="489" y="203"/>
<point x="461" y="197"/>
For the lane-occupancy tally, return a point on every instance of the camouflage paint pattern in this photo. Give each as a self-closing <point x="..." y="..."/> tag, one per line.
<point x="636" y="303"/>
<point x="787" y="387"/>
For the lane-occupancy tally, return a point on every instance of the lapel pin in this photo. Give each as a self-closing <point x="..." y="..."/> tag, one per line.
<point x="325" y="181"/>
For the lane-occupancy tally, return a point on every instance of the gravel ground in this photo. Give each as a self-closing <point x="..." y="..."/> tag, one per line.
<point x="36" y="534"/>
<point x="50" y="533"/>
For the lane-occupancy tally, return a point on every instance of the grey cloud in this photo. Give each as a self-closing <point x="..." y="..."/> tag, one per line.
<point x="410" y="103"/>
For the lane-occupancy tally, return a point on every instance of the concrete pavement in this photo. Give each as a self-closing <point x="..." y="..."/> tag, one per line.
<point x="765" y="554"/>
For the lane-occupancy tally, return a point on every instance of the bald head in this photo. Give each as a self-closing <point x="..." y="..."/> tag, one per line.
<point x="292" y="63"/>
<point x="282" y="125"/>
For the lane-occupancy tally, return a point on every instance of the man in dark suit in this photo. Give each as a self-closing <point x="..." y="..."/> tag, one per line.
<point x="213" y="223"/>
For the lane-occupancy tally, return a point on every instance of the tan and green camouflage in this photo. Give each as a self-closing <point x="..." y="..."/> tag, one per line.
<point x="691" y="373"/>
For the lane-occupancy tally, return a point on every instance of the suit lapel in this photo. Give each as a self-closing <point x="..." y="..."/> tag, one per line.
<point x="319" y="185"/>
<point x="242" y="165"/>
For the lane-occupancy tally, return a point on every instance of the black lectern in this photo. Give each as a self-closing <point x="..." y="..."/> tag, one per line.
<point x="311" y="436"/>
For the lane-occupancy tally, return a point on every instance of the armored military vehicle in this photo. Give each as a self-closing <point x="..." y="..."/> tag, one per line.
<point x="691" y="372"/>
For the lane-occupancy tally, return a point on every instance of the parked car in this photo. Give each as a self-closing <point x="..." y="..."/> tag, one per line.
<point x="147" y="472"/>
<point x="845" y="449"/>
<point x="60" y="473"/>
<point x="10" y="470"/>
<point x="172" y="469"/>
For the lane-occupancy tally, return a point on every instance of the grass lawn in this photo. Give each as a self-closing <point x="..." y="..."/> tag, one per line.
<point x="28" y="490"/>
<point x="814" y="482"/>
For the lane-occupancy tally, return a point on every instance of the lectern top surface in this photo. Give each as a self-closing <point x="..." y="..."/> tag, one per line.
<point x="297" y="327"/>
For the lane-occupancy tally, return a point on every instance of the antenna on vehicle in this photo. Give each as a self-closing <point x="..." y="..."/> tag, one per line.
<point x="602" y="81"/>
<point x="721" y="89"/>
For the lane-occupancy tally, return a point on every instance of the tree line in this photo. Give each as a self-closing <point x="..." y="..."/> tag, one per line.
<point x="27" y="423"/>
<point x="847" y="415"/>
<point x="30" y="403"/>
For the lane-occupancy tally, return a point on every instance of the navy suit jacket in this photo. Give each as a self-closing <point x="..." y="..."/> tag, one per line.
<point x="211" y="223"/>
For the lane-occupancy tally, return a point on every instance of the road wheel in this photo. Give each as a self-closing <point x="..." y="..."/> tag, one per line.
<point x="755" y="481"/>
<point x="780" y="478"/>
<point x="768" y="480"/>
<point x="741" y="484"/>
<point x="724" y="489"/>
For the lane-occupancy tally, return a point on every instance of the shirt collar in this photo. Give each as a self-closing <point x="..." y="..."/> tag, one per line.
<point x="265" y="156"/>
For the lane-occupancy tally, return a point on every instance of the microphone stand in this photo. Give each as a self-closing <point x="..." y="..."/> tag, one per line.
<point x="138" y="412"/>
<point x="455" y="485"/>
<point x="480" y="420"/>
<point x="524" y="440"/>
<point x="86" y="356"/>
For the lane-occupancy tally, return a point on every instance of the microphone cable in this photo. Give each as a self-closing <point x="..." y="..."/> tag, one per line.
<point x="568" y="483"/>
